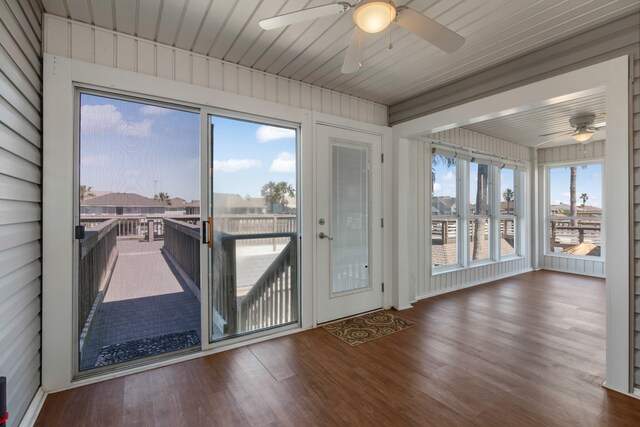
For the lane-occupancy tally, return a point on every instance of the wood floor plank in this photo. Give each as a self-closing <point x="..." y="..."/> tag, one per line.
<point x="522" y="351"/>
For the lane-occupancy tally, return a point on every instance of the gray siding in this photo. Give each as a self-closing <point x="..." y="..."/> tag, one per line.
<point x="20" y="196"/>
<point x="635" y="123"/>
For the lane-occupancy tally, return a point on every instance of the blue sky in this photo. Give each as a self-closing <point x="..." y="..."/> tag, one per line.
<point x="588" y="180"/>
<point x="131" y="147"/>
<point x="248" y="155"/>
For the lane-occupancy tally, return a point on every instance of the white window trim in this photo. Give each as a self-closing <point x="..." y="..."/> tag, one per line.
<point x="547" y="217"/>
<point x="464" y="217"/>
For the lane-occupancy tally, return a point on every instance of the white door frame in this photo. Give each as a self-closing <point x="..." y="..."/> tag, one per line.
<point x="613" y="75"/>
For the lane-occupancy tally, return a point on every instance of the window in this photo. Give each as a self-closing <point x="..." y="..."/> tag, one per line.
<point x="476" y="209"/>
<point x="508" y="227"/>
<point x="479" y="211"/>
<point x="444" y="211"/>
<point x="574" y="210"/>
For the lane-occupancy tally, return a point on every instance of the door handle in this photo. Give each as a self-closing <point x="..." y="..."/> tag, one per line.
<point x="207" y="235"/>
<point x="324" y="236"/>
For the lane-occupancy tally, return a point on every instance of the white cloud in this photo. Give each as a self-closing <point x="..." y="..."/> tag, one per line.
<point x="234" y="165"/>
<point x="565" y="194"/>
<point x="152" y="110"/>
<point x="271" y="133"/>
<point x="105" y="118"/>
<point x="436" y="187"/>
<point x="284" y="162"/>
<point x="449" y="176"/>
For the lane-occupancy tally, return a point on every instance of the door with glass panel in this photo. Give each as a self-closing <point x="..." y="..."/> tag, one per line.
<point x="253" y="231"/>
<point x="348" y="222"/>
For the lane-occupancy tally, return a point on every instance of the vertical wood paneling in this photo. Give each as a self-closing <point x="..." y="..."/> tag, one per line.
<point x="93" y="44"/>
<point x="20" y="193"/>
<point x="476" y="141"/>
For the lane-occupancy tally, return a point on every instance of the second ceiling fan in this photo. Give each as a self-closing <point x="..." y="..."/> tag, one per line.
<point x="371" y="17"/>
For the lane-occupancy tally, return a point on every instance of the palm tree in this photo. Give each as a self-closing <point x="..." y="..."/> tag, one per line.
<point x="277" y="193"/>
<point x="479" y="225"/>
<point x="163" y="197"/>
<point x="584" y="198"/>
<point x="573" y="209"/>
<point x="85" y="192"/>
<point x="508" y="196"/>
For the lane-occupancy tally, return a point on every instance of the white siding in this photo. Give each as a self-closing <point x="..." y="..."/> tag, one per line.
<point x="20" y="197"/>
<point x="568" y="153"/>
<point x="92" y="44"/>
<point x="430" y="285"/>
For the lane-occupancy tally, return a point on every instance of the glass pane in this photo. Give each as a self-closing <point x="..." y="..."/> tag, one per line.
<point x="478" y="189"/>
<point x="507" y="236"/>
<point x="507" y="191"/>
<point x="254" y="283"/>
<point x="444" y="185"/>
<point x="479" y="239"/>
<point x="139" y="196"/>
<point x="444" y="249"/>
<point x="349" y="218"/>
<point x="575" y="237"/>
<point x="575" y="190"/>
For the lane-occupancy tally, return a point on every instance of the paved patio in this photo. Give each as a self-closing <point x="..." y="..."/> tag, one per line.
<point x="146" y="298"/>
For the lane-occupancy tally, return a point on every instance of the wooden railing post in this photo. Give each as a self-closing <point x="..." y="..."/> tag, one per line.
<point x="230" y="286"/>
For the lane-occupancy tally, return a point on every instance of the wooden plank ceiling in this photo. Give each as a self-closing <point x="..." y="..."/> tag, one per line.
<point x="312" y="52"/>
<point x="527" y="128"/>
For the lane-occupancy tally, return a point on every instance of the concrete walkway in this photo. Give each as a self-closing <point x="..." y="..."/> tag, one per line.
<point x="145" y="298"/>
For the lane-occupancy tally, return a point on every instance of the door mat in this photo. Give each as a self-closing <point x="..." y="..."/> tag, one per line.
<point x="367" y="327"/>
<point x="130" y="350"/>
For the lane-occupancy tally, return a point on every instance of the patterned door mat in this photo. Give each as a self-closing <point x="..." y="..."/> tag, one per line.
<point x="367" y="327"/>
<point x="130" y="350"/>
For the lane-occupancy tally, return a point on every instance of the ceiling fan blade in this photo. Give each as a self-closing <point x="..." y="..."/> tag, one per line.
<point x="303" y="15"/>
<point x="355" y="51"/>
<point x="436" y="34"/>
<point x="562" y="132"/>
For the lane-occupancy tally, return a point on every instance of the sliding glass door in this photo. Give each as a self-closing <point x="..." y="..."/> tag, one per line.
<point x="137" y="230"/>
<point x="254" y="219"/>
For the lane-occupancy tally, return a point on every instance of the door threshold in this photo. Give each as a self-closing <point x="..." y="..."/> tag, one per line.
<point x="350" y="317"/>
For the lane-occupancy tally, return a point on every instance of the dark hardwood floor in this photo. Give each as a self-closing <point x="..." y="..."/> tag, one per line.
<point x="523" y="351"/>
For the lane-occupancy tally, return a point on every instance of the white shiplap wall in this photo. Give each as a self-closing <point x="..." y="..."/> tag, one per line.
<point x="446" y="282"/>
<point x="486" y="144"/>
<point x="568" y="153"/>
<point x="20" y="197"/>
<point x="92" y="44"/>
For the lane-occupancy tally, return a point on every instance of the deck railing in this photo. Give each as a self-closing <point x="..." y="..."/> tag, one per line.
<point x="443" y="231"/>
<point x="136" y="226"/>
<point x="255" y="224"/>
<point x="182" y="242"/>
<point x="98" y="254"/>
<point x="271" y="301"/>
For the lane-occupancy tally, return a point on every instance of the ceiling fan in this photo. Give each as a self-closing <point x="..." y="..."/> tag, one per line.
<point x="371" y="17"/>
<point x="584" y="126"/>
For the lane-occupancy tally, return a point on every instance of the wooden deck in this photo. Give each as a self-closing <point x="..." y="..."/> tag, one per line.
<point x="523" y="351"/>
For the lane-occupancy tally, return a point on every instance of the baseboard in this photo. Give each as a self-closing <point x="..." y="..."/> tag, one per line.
<point x="599" y="276"/>
<point x="474" y="283"/>
<point x="30" y="417"/>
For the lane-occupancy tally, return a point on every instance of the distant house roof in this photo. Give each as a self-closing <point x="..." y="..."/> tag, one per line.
<point x="176" y="202"/>
<point x="236" y="201"/>
<point x="122" y="200"/>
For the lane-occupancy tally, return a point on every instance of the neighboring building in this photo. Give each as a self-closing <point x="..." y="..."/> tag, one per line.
<point x="122" y="204"/>
<point x="444" y="205"/>
<point x="225" y="204"/>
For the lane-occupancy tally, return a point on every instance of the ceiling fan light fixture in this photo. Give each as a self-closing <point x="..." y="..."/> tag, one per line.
<point x="582" y="134"/>
<point x="374" y="17"/>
